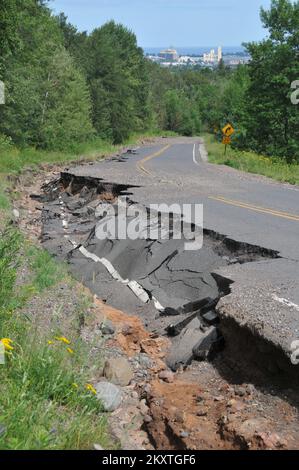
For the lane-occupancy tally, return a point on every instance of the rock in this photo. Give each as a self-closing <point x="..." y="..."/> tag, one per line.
<point x="147" y="388"/>
<point x="240" y="391"/>
<point x="272" y="440"/>
<point x="231" y="402"/>
<point x="249" y="428"/>
<point x="167" y="376"/>
<point x="211" y="317"/>
<point x="146" y="391"/>
<point x="118" y="371"/>
<point x="179" y="416"/>
<point x="208" y="344"/>
<point x="219" y="398"/>
<point x="174" y="329"/>
<point x="144" y="360"/>
<point x="181" y="351"/>
<point x="184" y="434"/>
<point x="147" y="419"/>
<point x="97" y="447"/>
<point x="143" y="407"/>
<point x="250" y="389"/>
<point x="16" y="214"/>
<point x="74" y="204"/>
<point x="107" y="327"/>
<point x="2" y="430"/>
<point x="109" y="394"/>
<point x="201" y="413"/>
<point x="237" y="406"/>
<point x="127" y="330"/>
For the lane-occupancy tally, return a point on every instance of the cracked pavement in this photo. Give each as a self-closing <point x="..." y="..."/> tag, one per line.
<point x="251" y="240"/>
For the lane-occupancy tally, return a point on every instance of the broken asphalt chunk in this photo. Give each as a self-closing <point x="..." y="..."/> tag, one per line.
<point x="210" y="343"/>
<point x="211" y="317"/>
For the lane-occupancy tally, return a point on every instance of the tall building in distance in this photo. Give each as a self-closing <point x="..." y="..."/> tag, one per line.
<point x="170" y="55"/>
<point x="211" y="57"/>
<point x="220" y="56"/>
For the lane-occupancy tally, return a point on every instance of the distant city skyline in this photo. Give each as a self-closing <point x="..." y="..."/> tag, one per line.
<point x="195" y="50"/>
<point x="177" y="23"/>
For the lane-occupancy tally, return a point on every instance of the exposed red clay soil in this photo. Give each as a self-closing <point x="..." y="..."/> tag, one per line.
<point x="199" y="409"/>
<point x="131" y="335"/>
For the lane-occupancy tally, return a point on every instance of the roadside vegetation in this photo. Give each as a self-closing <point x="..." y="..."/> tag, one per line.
<point x="46" y="401"/>
<point x="251" y="162"/>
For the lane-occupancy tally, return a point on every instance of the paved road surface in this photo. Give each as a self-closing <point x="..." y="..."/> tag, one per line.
<point x="246" y="208"/>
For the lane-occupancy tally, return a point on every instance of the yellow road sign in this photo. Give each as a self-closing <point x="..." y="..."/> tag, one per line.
<point x="226" y="140"/>
<point x="228" y="130"/>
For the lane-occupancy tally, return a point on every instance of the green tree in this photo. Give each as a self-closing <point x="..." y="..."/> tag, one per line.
<point x="272" y="121"/>
<point x="8" y="29"/>
<point x="66" y="107"/>
<point x="41" y="80"/>
<point x="117" y="77"/>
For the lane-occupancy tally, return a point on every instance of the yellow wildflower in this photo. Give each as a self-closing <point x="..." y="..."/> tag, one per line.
<point x="7" y="340"/>
<point x="62" y="339"/>
<point x="70" y="350"/>
<point x="50" y="342"/>
<point x="91" y="389"/>
<point x="74" y="385"/>
<point x="7" y="343"/>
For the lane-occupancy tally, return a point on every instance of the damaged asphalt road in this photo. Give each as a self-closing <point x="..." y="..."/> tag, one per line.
<point x="174" y="291"/>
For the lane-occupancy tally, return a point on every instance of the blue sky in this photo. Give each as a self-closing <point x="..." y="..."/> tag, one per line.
<point x="172" y="22"/>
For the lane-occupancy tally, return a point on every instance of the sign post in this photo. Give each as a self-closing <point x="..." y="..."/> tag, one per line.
<point x="227" y="132"/>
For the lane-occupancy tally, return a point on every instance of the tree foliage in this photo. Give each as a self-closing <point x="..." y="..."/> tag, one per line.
<point x="272" y="121"/>
<point x="64" y="86"/>
<point x="47" y="99"/>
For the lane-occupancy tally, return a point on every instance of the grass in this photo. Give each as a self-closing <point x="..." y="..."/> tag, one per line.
<point x="46" y="271"/>
<point x="251" y="162"/>
<point x="13" y="160"/>
<point x="44" y="403"/>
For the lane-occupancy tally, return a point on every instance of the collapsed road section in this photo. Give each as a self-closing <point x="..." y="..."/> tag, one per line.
<point x="174" y="291"/>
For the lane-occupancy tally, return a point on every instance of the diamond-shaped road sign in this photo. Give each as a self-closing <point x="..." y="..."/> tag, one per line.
<point x="228" y="130"/>
<point x="226" y="140"/>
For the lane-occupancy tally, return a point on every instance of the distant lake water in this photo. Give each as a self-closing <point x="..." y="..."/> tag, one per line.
<point x="195" y="50"/>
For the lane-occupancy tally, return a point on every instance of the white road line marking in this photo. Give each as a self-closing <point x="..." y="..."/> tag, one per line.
<point x="158" y="306"/>
<point x="194" y="155"/>
<point x="139" y="291"/>
<point x="194" y="159"/>
<point x="285" y="302"/>
<point x="134" y="286"/>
